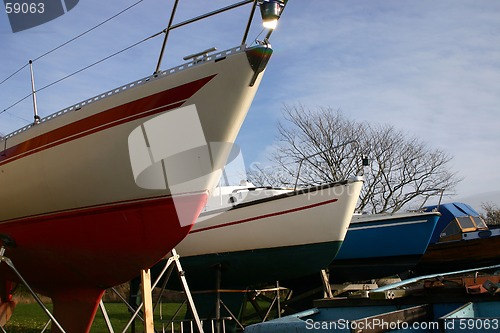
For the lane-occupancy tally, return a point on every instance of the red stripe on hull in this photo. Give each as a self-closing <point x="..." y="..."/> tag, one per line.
<point x="143" y="107"/>
<point x="250" y="219"/>
<point x="74" y="254"/>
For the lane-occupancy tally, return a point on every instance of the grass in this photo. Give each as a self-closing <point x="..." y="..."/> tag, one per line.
<point x="30" y="318"/>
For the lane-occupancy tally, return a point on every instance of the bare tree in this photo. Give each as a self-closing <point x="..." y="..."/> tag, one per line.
<point x="492" y="213"/>
<point x="327" y="146"/>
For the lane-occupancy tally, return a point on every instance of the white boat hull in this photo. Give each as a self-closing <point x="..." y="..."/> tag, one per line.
<point x="262" y="240"/>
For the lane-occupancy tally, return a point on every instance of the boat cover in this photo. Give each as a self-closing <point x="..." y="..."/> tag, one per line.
<point x="449" y="211"/>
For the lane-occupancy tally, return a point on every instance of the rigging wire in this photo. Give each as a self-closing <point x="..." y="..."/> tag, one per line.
<point x="91" y="29"/>
<point x="20" y="69"/>
<point x="101" y="60"/>
<point x="73" y="39"/>
<point x="66" y="43"/>
<point x="85" y="68"/>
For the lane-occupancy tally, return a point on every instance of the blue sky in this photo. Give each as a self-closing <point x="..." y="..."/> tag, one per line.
<point x="430" y="68"/>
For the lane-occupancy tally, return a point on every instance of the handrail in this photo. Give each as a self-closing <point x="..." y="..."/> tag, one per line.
<point x="195" y="19"/>
<point x="190" y="324"/>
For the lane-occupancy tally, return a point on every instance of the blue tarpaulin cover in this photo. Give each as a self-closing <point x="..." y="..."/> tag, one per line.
<point x="448" y="212"/>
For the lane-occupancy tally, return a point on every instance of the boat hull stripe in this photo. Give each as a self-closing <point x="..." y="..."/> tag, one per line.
<point x="265" y="216"/>
<point x="384" y="225"/>
<point x="84" y="210"/>
<point x="143" y="107"/>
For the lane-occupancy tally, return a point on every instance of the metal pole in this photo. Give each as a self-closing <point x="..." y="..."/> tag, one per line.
<point x="32" y="292"/>
<point x="33" y="94"/>
<point x="174" y="9"/>
<point x="252" y="12"/>
<point x="187" y="292"/>
<point x="298" y="174"/>
<point x="215" y="12"/>
<point x="232" y="316"/>
<point x="279" y="299"/>
<point x="440" y="198"/>
<point x="125" y="301"/>
<point x="327" y="288"/>
<point x="218" y="300"/>
<point x="106" y="317"/>
<point x="163" y="286"/>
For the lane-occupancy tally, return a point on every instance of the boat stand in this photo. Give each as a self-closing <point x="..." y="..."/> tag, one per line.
<point x="147" y="301"/>
<point x="217" y="323"/>
<point x="274" y="302"/>
<point x="219" y="303"/>
<point x="327" y="287"/>
<point x="32" y="292"/>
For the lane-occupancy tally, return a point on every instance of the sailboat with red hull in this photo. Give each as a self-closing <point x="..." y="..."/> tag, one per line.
<point x="75" y="219"/>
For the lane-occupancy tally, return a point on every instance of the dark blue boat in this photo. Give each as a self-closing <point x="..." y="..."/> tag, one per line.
<point x="381" y="245"/>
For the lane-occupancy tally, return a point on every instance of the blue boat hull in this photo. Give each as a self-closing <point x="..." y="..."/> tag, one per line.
<point x="376" y="246"/>
<point x="382" y="246"/>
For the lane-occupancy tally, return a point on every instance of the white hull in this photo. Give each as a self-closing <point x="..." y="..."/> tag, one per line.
<point x="294" y="218"/>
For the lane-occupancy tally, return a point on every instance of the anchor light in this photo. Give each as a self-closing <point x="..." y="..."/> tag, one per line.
<point x="270" y="11"/>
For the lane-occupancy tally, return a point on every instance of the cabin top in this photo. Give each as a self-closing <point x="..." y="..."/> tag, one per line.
<point x="456" y="218"/>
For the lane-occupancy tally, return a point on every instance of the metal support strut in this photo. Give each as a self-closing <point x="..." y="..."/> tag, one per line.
<point x="32" y="292"/>
<point x="173" y="259"/>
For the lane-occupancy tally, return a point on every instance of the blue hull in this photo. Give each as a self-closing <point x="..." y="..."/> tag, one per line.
<point x="375" y="246"/>
<point x="384" y="245"/>
<point x="388" y="235"/>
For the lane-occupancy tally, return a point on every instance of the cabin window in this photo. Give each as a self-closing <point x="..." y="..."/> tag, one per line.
<point x="480" y="222"/>
<point x="466" y="223"/>
<point x="451" y="229"/>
